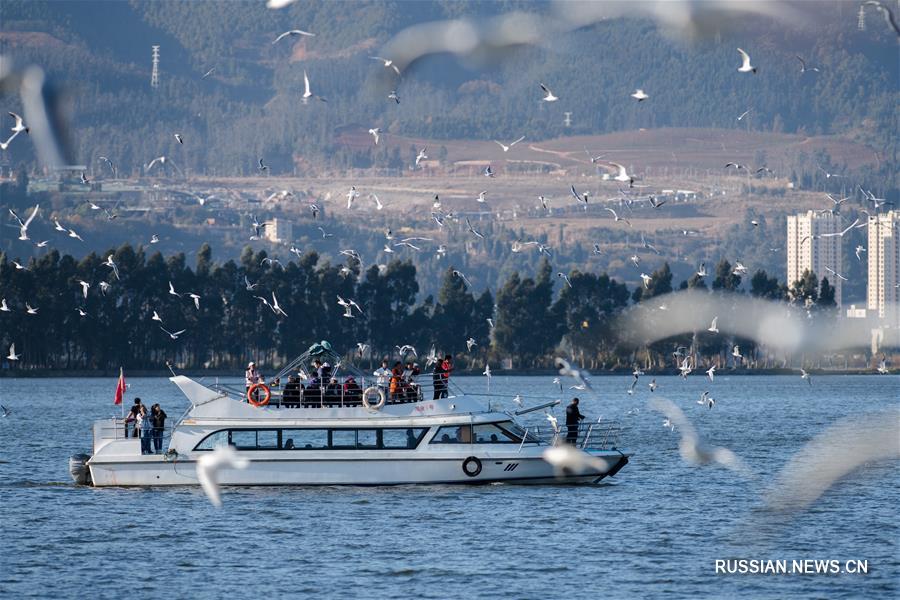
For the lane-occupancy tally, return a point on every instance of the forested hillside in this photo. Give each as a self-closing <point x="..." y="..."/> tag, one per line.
<point x="220" y="315"/>
<point x="249" y="106"/>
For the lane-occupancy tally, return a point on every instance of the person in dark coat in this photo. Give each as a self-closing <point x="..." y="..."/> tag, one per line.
<point x="158" y="421"/>
<point x="437" y="379"/>
<point x="573" y="417"/>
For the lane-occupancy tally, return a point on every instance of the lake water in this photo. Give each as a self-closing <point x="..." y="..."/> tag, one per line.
<point x="654" y="531"/>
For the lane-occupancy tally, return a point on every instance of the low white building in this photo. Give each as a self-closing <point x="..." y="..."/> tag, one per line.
<point x="279" y="230"/>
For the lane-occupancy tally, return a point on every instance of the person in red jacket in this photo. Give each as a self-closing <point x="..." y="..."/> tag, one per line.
<point x="446" y="368"/>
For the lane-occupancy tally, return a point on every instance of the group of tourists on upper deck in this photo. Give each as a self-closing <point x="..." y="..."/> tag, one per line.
<point x="398" y="383"/>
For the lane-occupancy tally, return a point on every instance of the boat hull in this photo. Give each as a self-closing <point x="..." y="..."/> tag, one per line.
<point x="156" y="471"/>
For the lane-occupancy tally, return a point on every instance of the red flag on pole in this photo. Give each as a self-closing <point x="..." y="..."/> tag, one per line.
<point x="120" y="387"/>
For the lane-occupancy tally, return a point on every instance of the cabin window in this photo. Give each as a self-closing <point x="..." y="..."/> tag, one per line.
<point x="267" y="439"/>
<point x="343" y="439"/>
<point x="454" y="434"/>
<point x="304" y="439"/>
<point x="403" y="438"/>
<point x="367" y="439"/>
<point x="213" y="440"/>
<point x="243" y="439"/>
<point x="491" y="434"/>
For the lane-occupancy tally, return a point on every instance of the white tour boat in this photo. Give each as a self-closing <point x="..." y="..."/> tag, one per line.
<point x="330" y="436"/>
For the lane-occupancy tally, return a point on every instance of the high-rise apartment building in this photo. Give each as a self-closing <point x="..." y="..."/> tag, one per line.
<point x="808" y="249"/>
<point x="884" y="265"/>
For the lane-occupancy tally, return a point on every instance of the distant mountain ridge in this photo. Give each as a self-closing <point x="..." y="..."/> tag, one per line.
<point x="249" y="107"/>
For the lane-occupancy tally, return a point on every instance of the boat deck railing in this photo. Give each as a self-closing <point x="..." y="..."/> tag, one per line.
<point x="287" y="396"/>
<point x="119" y="429"/>
<point x="586" y="436"/>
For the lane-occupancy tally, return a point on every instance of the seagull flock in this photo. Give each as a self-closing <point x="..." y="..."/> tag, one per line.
<point x="692" y="447"/>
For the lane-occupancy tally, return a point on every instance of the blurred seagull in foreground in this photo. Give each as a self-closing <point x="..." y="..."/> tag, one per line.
<point x="580" y="376"/>
<point x="211" y="464"/>
<point x="568" y="460"/>
<point x="833" y="454"/>
<point x="691" y="447"/>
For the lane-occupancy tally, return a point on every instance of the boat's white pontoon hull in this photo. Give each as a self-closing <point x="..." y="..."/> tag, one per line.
<point x="350" y="471"/>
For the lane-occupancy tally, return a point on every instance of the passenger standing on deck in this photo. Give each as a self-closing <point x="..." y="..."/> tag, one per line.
<point x="396" y="378"/>
<point x="573" y="417"/>
<point x="383" y="375"/>
<point x="146" y="431"/>
<point x="437" y="379"/>
<point x="132" y="418"/>
<point x="158" y="420"/>
<point x="251" y="376"/>
<point x="447" y="367"/>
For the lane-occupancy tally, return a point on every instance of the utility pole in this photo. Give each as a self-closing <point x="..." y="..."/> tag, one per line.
<point x="154" y="77"/>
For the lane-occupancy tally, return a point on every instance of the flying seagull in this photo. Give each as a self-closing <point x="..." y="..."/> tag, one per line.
<point x="745" y="67"/>
<point x="422" y="156"/>
<point x="12" y="353"/>
<point x="292" y="32"/>
<point x="307" y="93"/>
<point x="511" y="144"/>
<point x="804" y="68"/>
<point x="376" y="133"/>
<point x="23" y="225"/>
<point x="20" y="124"/>
<point x="549" y="97"/>
<point x="623" y="175"/>
<point x="463" y="277"/>
<point x="175" y="335"/>
<point x="639" y="95"/>
<point x="616" y="216"/>
<point x="112" y="265"/>
<point x="388" y="63"/>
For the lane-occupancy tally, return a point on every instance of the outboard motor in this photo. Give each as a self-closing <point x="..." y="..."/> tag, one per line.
<point x="79" y="470"/>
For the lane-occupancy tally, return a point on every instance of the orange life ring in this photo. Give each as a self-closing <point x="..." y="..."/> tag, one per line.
<point x="255" y="387"/>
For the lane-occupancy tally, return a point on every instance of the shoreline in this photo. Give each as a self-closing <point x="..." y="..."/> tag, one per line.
<point x="236" y="374"/>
